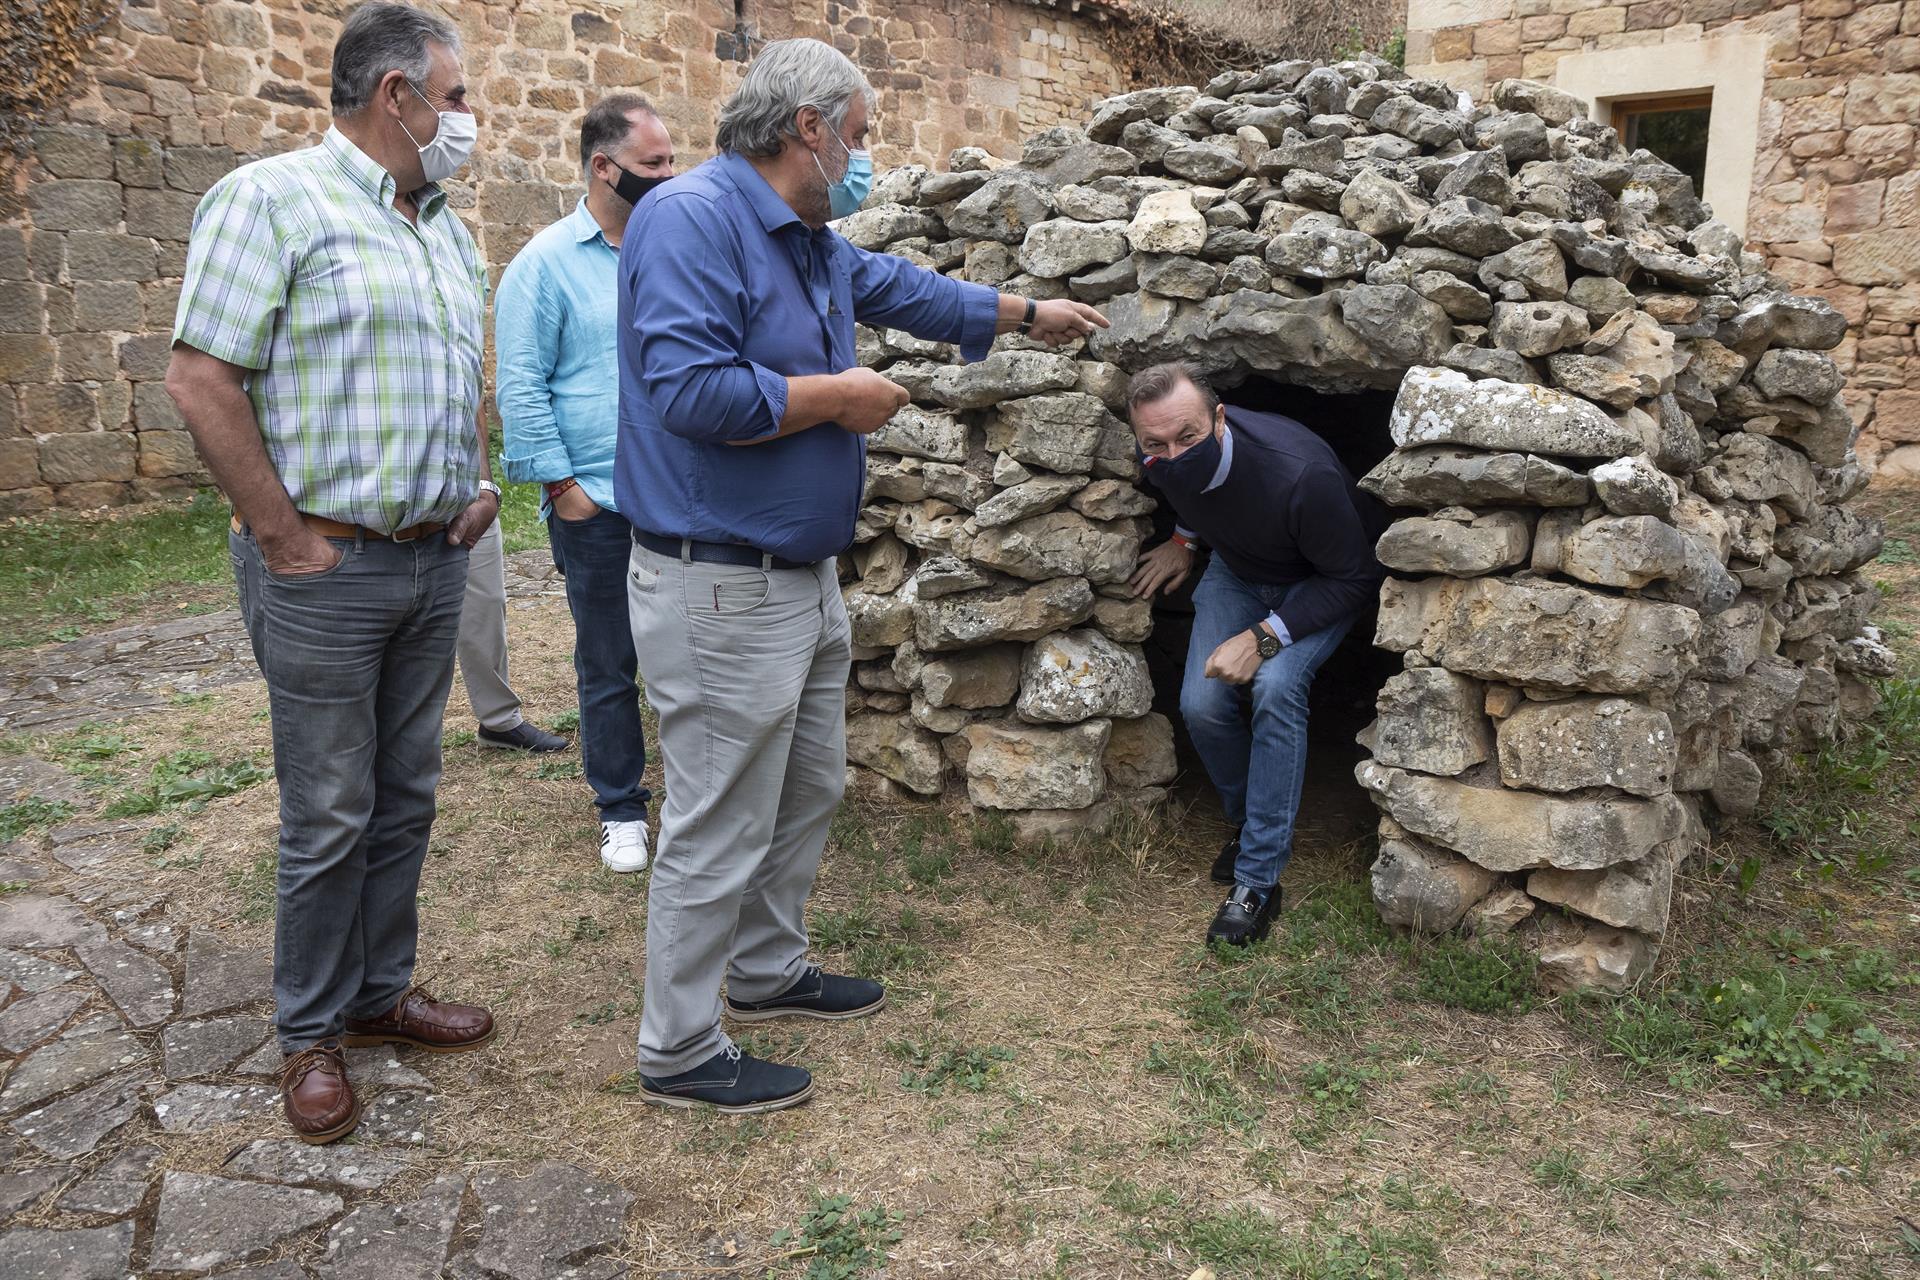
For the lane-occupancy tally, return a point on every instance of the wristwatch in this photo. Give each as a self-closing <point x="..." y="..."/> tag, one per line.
<point x="490" y="487"/>
<point x="1268" y="642"/>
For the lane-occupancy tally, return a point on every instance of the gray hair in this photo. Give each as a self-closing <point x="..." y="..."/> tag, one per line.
<point x="1159" y="381"/>
<point x="379" y="38"/>
<point x="788" y="75"/>
<point x="607" y="124"/>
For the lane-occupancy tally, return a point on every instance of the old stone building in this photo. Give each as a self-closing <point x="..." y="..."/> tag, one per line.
<point x="1799" y="118"/>
<point x="167" y="95"/>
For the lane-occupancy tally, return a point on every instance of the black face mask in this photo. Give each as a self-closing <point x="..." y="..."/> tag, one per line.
<point x="631" y="186"/>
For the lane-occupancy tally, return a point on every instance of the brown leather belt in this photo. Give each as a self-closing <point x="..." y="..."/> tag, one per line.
<point x="339" y="529"/>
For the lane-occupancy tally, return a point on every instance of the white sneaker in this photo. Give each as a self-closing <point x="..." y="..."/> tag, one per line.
<point x="623" y="846"/>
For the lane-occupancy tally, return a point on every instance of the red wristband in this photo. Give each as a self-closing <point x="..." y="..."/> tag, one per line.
<point x="1182" y="541"/>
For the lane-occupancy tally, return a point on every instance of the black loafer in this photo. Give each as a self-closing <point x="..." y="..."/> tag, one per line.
<point x="525" y="736"/>
<point x="1244" y="918"/>
<point x="1229" y="858"/>
<point x="732" y="1082"/>
<point x="827" y="996"/>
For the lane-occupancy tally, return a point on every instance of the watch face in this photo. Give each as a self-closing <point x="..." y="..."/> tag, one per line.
<point x="1269" y="645"/>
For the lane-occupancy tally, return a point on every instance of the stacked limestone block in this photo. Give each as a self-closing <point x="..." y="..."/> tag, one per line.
<point x="1625" y="564"/>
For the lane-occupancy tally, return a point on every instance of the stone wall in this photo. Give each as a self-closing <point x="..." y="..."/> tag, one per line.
<point x="1625" y="568"/>
<point x="1835" y="198"/>
<point x="173" y="94"/>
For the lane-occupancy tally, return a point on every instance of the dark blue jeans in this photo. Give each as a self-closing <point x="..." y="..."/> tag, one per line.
<point x="592" y="556"/>
<point x="358" y="661"/>
<point x="1252" y="739"/>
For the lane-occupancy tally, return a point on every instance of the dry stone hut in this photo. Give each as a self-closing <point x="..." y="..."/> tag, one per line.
<point x="1624" y="560"/>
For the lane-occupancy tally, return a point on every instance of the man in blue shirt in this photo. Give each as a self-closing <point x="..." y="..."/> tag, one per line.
<point x="741" y="464"/>
<point x="1292" y="567"/>
<point x="558" y="386"/>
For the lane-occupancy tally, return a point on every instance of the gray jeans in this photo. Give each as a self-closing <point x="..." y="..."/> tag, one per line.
<point x="747" y="670"/>
<point x="483" y="636"/>
<point x="358" y="661"/>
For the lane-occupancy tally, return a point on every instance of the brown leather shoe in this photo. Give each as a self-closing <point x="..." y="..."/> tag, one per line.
<point x="317" y="1095"/>
<point x="425" y="1023"/>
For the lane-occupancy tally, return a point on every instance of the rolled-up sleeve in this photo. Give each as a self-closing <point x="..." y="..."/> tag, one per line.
<point x="689" y="304"/>
<point x="526" y="344"/>
<point x="239" y="267"/>
<point x="894" y="292"/>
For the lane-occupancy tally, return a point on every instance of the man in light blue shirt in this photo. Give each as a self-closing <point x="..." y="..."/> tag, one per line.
<point x="557" y="383"/>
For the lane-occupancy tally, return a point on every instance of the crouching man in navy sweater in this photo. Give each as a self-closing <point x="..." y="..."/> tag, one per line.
<point x="1292" y="567"/>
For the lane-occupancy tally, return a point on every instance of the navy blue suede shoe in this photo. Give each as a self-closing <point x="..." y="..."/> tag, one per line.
<point x="732" y="1082"/>
<point x="828" y="996"/>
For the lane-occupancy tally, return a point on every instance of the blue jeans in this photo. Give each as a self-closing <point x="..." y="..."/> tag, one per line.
<point x="1252" y="739"/>
<point x="592" y="556"/>
<point x="358" y="661"/>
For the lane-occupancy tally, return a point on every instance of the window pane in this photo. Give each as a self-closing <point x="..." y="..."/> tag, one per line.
<point x="1678" y="137"/>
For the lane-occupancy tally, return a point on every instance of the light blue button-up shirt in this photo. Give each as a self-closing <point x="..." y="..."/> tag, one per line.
<point x="556" y="358"/>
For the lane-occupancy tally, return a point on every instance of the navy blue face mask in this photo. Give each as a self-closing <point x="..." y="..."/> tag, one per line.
<point x="1189" y="474"/>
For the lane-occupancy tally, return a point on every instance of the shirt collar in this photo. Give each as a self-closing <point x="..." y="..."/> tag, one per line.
<point x="1226" y="459"/>
<point x="584" y="225"/>
<point x="373" y="177"/>
<point x="774" y="212"/>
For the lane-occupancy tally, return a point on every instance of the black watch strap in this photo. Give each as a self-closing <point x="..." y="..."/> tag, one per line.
<point x="1265" y="641"/>
<point x="1026" y="322"/>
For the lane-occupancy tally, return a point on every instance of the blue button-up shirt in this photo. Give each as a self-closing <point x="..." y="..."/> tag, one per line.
<point x="724" y="294"/>
<point x="556" y="372"/>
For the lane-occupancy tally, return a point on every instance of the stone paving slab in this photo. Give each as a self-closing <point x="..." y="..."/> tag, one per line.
<point x="76" y="1125"/>
<point x="548" y="1222"/>
<point x="204" y="1047"/>
<point x="205" y="1223"/>
<point x="90" y="1050"/>
<point x="42" y="922"/>
<point x="116" y="1187"/>
<point x="31" y="1019"/>
<point x="398" y="1116"/>
<point x="132" y="979"/>
<point x="94" y="1253"/>
<point x="31" y="778"/>
<point x="339" y="1164"/>
<point x="196" y="1108"/>
<point x="379" y="1241"/>
<point x="33" y="973"/>
<point x="18" y="1189"/>
<point x="223" y="976"/>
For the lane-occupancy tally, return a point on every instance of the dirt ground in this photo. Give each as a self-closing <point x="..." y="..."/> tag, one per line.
<point x="1063" y="1084"/>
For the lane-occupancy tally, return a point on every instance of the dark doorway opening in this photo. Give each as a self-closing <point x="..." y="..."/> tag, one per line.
<point x="1335" y="812"/>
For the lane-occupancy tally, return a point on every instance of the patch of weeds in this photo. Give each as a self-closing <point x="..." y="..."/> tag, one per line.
<point x="608" y="1011"/>
<point x="13" y="886"/>
<point x="930" y="1068"/>
<point x="1791" y="1030"/>
<point x="1831" y="807"/>
<point x="850" y="834"/>
<point x="30" y="815"/>
<point x="548" y="770"/>
<point x="1483" y="975"/>
<point x="159" y="839"/>
<point x="567" y="721"/>
<point x="1897" y="551"/>
<point x="927" y="855"/>
<point x="1336" y="1086"/>
<point x="190" y="778"/>
<point x="257" y="885"/>
<point x="1245" y="1241"/>
<point x="838" y="1241"/>
<point x="459" y="738"/>
<point x="718" y="1135"/>
<point x="838" y="930"/>
<point x="185" y="699"/>
<point x="1669" y="1170"/>
<point x="993" y="835"/>
<point x="1208" y="1097"/>
<point x="1476" y="1084"/>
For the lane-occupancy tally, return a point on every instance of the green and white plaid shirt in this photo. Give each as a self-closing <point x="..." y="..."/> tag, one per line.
<point x="364" y="331"/>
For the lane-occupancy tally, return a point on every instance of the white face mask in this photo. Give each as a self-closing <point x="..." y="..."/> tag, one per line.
<point x="451" y="145"/>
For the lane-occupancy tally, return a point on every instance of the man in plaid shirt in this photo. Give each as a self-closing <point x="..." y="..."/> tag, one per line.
<point x="327" y="360"/>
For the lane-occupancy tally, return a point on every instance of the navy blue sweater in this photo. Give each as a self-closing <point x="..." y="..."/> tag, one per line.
<point x="1288" y="513"/>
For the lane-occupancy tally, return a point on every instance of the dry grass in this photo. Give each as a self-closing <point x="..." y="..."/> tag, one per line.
<point x="1042" y="1098"/>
